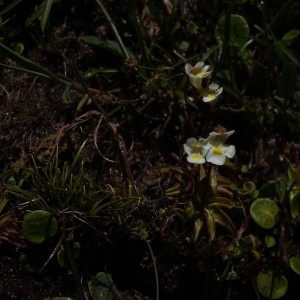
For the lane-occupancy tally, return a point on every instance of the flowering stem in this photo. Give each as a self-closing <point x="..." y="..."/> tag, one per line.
<point x="206" y="186"/>
<point x="202" y="186"/>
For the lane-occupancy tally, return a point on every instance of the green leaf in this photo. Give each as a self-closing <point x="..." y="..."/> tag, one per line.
<point x="237" y="31"/>
<point x="270" y="241"/>
<point x="211" y="225"/>
<point x="3" y="203"/>
<point x="294" y="262"/>
<point x="264" y="212"/>
<point x="58" y="298"/>
<point x="270" y="285"/>
<point x="4" y="218"/>
<point x="198" y="225"/>
<point x="101" y="287"/>
<point x="29" y="66"/>
<point x="114" y="28"/>
<point x="222" y="219"/>
<point x="221" y="202"/>
<point x="38" y="225"/>
<point x="295" y="203"/>
<point x="293" y="173"/>
<point x="46" y="8"/>
<point x="291" y="35"/>
<point x="268" y="189"/>
<point x="249" y="188"/>
<point x="286" y="83"/>
<point x="110" y="45"/>
<point x="61" y="257"/>
<point x="285" y="54"/>
<point x="95" y="41"/>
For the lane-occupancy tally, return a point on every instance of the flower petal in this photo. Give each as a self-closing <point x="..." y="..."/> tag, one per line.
<point x="213" y="86"/>
<point x="199" y="65"/>
<point x="229" y="133"/>
<point x="206" y="74"/>
<point x="201" y="141"/>
<point x="229" y="151"/>
<point x="188" y="69"/>
<point x="196" y="82"/>
<point x="220" y="90"/>
<point x="215" y="159"/>
<point x="205" y="68"/>
<point x="207" y="146"/>
<point x="219" y="138"/>
<point x="209" y="98"/>
<point x="187" y="149"/>
<point x="196" y="159"/>
<point x="191" y="142"/>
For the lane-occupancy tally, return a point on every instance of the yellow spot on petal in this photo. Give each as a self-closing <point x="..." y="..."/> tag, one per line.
<point x="196" y="156"/>
<point x="201" y="74"/>
<point x="218" y="150"/>
<point x="211" y="95"/>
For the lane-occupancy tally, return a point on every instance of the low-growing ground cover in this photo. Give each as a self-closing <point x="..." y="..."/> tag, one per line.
<point x="149" y="149"/>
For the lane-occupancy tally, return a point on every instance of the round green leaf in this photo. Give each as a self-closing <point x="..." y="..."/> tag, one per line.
<point x="271" y="286"/>
<point x="264" y="212"/>
<point x="295" y="264"/>
<point x="102" y="287"/>
<point x="38" y="225"/>
<point x="270" y="241"/>
<point x="237" y="30"/>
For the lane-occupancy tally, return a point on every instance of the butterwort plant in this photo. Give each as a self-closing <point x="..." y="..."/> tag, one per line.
<point x="195" y="150"/>
<point x="207" y="206"/>
<point x="212" y="149"/>
<point x="196" y="75"/>
<point x="212" y="92"/>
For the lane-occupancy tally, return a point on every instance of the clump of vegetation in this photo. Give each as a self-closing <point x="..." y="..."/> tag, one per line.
<point x="150" y="150"/>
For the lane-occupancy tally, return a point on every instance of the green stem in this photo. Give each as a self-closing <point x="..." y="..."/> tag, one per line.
<point x="223" y="277"/>
<point x="200" y="196"/>
<point x="113" y="27"/>
<point x="155" y="269"/>
<point x="80" y="292"/>
<point x="87" y="91"/>
<point x="207" y="182"/>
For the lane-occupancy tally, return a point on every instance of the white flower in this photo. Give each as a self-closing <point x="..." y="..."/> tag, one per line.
<point x="212" y="92"/>
<point x="195" y="151"/>
<point x="217" y="150"/>
<point x="197" y="73"/>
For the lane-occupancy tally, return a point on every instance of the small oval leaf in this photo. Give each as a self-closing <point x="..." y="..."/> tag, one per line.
<point x="295" y="264"/>
<point x="38" y="225"/>
<point x="270" y="241"/>
<point x="102" y="287"/>
<point x="295" y="203"/>
<point x="270" y="285"/>
<point x="264" y="212"/>
<point x="237" y="31"/>
<point x="291" y="35"/>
